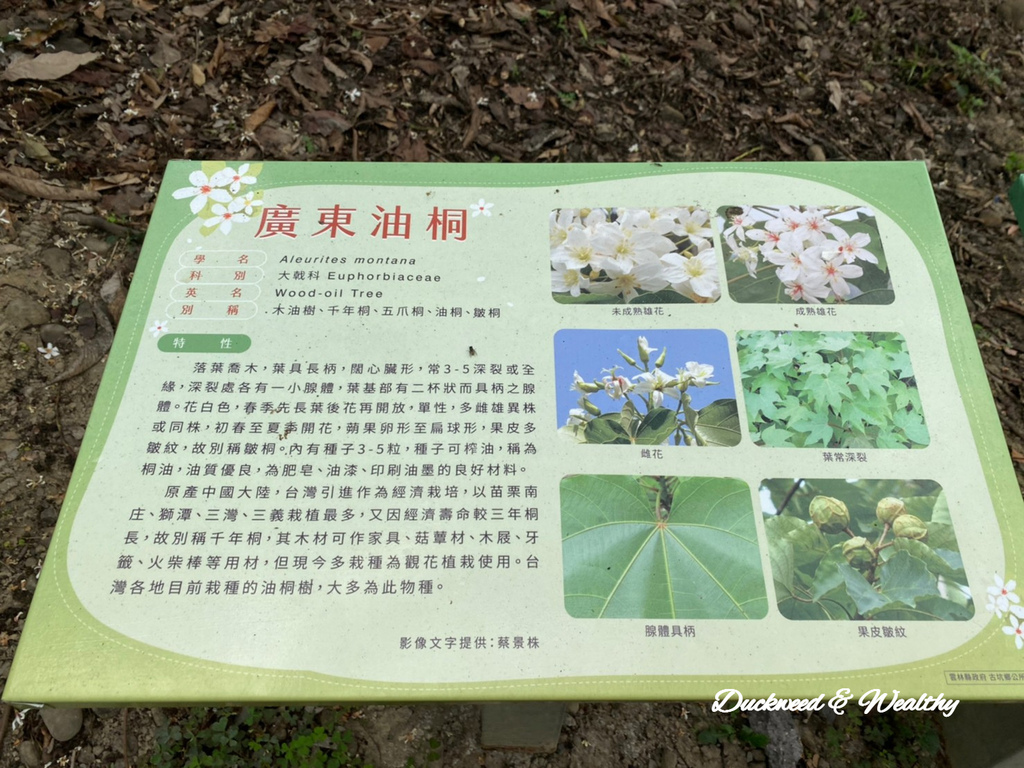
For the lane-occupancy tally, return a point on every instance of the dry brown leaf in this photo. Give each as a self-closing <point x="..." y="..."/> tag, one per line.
<point x="48" y="66"/>
<point x="376" y="44"/>
<point x="224" y="16"/>
<point x="324" y="122"/>
<point x="363" y="59"/>
<point x="37" y="150"/>
<point x="201" y="11"/>
<point x="259" y="116"/>
<point x="524" y="96"/>
<point x="44" y="190"/>
<point x="142" y="5"/>
<point x="218" y="54"/>
<point x="519" y="11"/>
<point x="198" y="76"/>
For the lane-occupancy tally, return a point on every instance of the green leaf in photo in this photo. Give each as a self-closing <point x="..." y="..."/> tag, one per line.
<point x="625" y="556"/>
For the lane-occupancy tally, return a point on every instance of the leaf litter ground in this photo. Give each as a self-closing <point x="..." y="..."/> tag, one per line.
<point x="98" y="96"/>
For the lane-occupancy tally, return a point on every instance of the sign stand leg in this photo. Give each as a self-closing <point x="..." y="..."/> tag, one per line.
<point x="985" y="735"/>
<point x="532" y="726"/>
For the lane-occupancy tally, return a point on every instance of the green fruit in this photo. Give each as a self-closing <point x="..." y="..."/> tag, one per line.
<point x="910" y="527"/>
<point x="889" y="509"/>
<point x="830" y="515"/>
<point x="858" y="552"/>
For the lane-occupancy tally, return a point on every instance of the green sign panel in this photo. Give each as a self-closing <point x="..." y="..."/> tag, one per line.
<point x="397" y="433"/>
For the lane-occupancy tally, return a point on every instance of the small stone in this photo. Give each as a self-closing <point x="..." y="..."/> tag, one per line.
<point x="53" y="333"/>
<point x="57" y="260"/>
<point x="816" y="153"/>
<point x="86" y="756"/>
<point x="98" y="246"/>
<point x="573" y="708"/>
<point x="24" y="312"/>
<point x="63" y="724"/>
<point x="105" y="713"/>
<point x="48" y="515"/>
<point x="742" y="24"/>
<point x="669" y="758"/>
<point x="31" y="754"/>
<point x="784" y="745"/>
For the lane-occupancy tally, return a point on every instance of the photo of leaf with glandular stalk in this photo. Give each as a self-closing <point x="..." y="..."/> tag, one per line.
<point x="823" y="254"/>
<point x="808" y="389"/>
<point x="864" y="550"/>
<point x="660" y="547"/>
<point x="632" y="255"/>
<point x="641" y="399"/>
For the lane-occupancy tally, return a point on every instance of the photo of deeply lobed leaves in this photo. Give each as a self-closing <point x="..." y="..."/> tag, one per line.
<point x="657" y="387"/>
<point x="660" y="547"/>
<point x="814" y="255"/>
<point x="862" y="550"/>
<point x="633" y="255"/>
<point x="808" y="389"/>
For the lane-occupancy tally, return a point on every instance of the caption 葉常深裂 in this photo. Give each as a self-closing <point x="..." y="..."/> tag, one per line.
<point x="876" y="700"/>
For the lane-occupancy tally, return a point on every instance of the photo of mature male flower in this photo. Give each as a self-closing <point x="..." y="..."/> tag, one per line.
<point x="809" y="254"/>
<point x="632" y="255"/>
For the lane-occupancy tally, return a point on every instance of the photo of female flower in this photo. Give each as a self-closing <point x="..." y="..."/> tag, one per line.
<point x="856" y="550"/>
<point x="839" y="389"/>
<point x="660" y="547"/>
<point x="640" y="387"/>
<point x="810" y="254"/>
<point x="632" y="255"/>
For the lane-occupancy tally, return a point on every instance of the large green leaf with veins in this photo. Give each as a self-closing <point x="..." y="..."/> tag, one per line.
<point x="697" y="559"/>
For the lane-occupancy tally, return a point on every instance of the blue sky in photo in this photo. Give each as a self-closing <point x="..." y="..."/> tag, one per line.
<point x="591" y="351"/>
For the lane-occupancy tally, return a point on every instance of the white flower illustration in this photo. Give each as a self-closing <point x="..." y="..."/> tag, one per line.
<point x="1014" y="626"/>
<point x="481" y="206"/>
<point x="159" y="328"/>
<point x="1001" y="596"/>
<point x="232" y="179"/>
<point x="202" y="190"/>
<point x="49" y="351"/>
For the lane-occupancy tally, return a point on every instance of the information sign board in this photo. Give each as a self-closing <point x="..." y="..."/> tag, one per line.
<point x="394" y="433"/>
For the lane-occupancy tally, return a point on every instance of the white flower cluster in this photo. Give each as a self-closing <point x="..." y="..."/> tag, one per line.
<point x="626" y="251"/>
<point x="216" y="199"/>
<point x="814" y="257"/>
<point x="652" y="385"/>
<point x="1003" y="601"/>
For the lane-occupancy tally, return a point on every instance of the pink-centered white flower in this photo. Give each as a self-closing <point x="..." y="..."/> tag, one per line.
<point x="203" y="190"/>
<point x="808" y="286"/>
<point x="852" y="247"/>
<point x="224" y="216"/>
<point x="738" y="223"/>
<point x="159" y="328"/>
<point x="482" y="207"/>
<point x="232" y="179"/>
<point x="1014" y="627"/>
<point x="616" y="386"/>
<point x="836" y="272"/>
<point x="1001" y="596"/>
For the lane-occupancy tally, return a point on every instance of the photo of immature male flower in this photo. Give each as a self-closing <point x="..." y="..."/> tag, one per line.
<point x="809" y="254"/>
<point x="632" y="255"/>
<point x="646" y="388"/>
